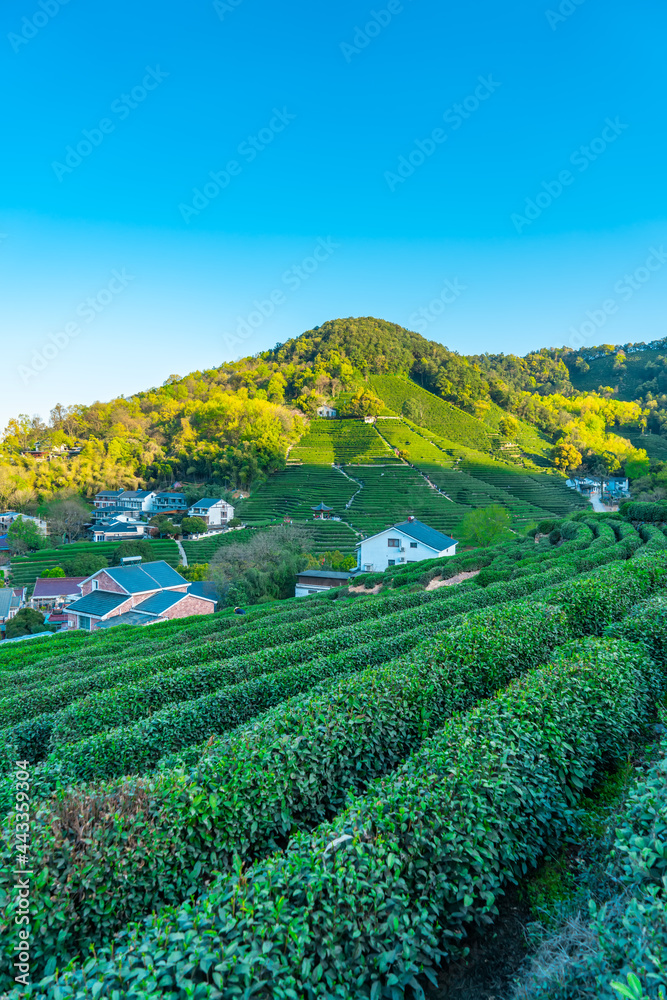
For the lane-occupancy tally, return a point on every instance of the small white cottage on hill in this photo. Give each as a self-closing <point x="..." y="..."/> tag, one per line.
<point x="410" y="541"/>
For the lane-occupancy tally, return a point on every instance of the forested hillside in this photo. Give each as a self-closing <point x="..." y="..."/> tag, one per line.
<point x="235" y="424"/>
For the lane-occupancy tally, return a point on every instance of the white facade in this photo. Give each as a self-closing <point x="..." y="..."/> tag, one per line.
<point x="326" y="411"/>
<point x="395" y="547"/>
<point x="9" y="516"/>
<point x="214" y="512"/>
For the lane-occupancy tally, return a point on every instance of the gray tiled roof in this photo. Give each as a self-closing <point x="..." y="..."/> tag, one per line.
<point x="157" y="604"/>
<point x="423" y="533"/>
<point x="97" y="603"/>
<point x="323" y="574"/>
<point x="206" y="502"/>
<point x="204" y="589"/>
<point x="6" y="597"/>
<point x="128" y="618"/>
<point x="150" y="576"/>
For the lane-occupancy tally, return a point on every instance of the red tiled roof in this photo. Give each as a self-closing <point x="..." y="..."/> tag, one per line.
<point x="63" y="586"/>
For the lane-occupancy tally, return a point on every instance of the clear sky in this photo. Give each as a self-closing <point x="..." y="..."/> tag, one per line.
<point x="187" y="183"/>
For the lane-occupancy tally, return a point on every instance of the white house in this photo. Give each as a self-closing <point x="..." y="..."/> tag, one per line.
<point x="410" y="541"/>
<point x="214" y="512"/>
<point x="8" y="517"/>
<point x="327" y="411"/>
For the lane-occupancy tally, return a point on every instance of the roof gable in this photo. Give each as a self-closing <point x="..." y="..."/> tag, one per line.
<point x="418" y="531"/>
<point x="97" y="603"/>
<point x="63" y="586"/>
<point x="158" y="603"/>
<point x="424" y="533"/>
<point x="207" y="502"/>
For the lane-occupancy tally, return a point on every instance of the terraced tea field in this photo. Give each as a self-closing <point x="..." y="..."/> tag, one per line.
<point x="321" y="798"/>
<point x="26" y="569"/>
<point x="339" y="441"/>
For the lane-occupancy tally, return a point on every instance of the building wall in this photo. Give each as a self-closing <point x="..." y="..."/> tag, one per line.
<point x="72" y="619"/>
<point x="217" y="515"/>
<point x="375" y="552"/>
<point x="104" y="582"/>
<point x="302" y="590"/>
<point x="191" y="605"/>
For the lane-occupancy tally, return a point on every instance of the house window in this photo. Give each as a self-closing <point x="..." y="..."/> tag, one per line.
<point x="84" y="622"/>
<point x="413" y="545"/>
<point x="94" y="585"/>
<point x="391" y="562"/>
<point x="393" y="543"/>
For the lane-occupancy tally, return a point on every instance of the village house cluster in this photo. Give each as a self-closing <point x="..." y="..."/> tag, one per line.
<point x="121" y="515"/>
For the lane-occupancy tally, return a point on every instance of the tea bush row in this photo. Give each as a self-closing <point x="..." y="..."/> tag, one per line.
<point x="153" y="842"/>
<point x="385" y="891"/>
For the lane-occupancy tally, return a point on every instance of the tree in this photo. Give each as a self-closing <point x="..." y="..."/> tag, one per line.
<point x="485" y="526"/>
<point x="140" y="548"/>
<point x="261" y="568"/>
<point x="508" y="427"/>
<point x="194" y="572"/>
<point x="566" y="457"/>
<point x="335" y="561"/>
<point x="412" y="409"/>
<point x="67" y="517"/>
<point x="364" y="403"/>
<point x="53" y="573"/>
<point x="26" y="622"/>
<point x="637" y="467"/>
<point x="193" y="525"/>
<point x="25" y="536"/>
<point x="165" y="525"/>
<point x="84" y="564"/>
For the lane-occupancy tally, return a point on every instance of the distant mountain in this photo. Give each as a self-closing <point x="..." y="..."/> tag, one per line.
<point x="233" y="425"/>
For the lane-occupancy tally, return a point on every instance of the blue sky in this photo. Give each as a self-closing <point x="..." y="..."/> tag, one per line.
<point x="185" y="184"/>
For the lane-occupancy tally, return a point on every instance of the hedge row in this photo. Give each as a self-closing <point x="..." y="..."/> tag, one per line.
<point x="103" y="647"/>
<point x="98" y="676"/>
<point x="594" y="602"/>
<point x="153" y="842"/>
<point x="383" y="893"/>
<point x="634" y="510"/>
<point x="628" y="934"/>
<point x="125" y="704"/>
<point x="135" y="748"/>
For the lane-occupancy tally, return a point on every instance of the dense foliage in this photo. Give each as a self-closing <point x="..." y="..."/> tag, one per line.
<point x="234" y="424"/>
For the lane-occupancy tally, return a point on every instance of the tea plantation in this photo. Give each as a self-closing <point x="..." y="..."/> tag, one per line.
<point x="26" y="569"/>
<point x="324" y="797"/>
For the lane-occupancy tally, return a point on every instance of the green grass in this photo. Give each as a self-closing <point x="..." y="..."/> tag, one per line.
<point x="654" y="445"/>
<point x="602" y="372"/>
<point x="472" y="492"/>
<point x="294" y="491"/>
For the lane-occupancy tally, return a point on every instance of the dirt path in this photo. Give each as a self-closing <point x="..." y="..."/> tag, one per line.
<point x="452" y="581"/>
